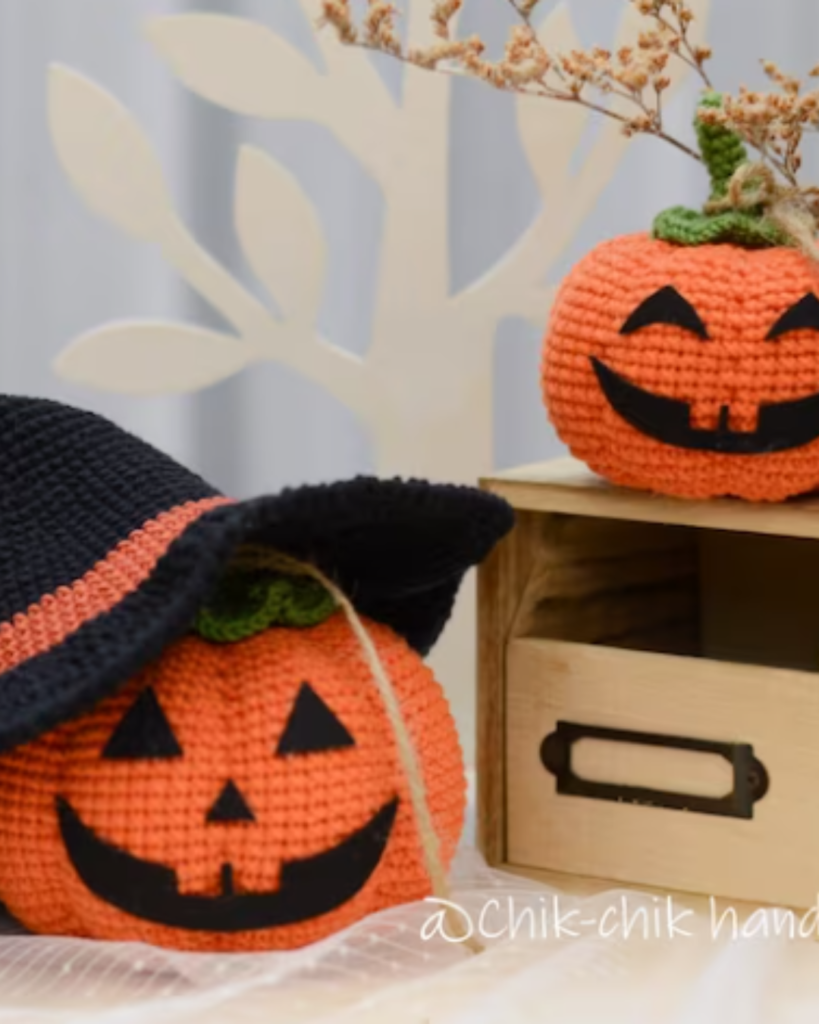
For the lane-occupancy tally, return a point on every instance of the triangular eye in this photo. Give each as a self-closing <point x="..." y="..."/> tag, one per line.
<point x="312" y="726"/>
<point x="803" y="316"/>
<point x="143" y="732"/>
<point x="666" y="306"/>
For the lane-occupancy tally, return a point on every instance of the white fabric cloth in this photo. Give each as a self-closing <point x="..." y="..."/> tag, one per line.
<point x="383" y="970"/>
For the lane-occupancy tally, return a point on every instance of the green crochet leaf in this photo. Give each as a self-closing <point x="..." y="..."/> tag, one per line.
<point x="249" y="602"/>
<point x="723" y="153"/>
<point x="684" y="226"/>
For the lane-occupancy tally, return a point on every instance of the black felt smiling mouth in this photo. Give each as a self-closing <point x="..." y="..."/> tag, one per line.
<point x="308" y="888"/>
<point x="780" y="426"/>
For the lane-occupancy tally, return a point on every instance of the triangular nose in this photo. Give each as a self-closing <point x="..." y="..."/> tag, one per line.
<point x="230" y="806"/>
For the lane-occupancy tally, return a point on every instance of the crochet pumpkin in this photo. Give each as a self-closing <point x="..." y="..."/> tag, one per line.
<point x="203" y="753"/>
<point x="686" y="361"/>
<point x="240" y="796"/>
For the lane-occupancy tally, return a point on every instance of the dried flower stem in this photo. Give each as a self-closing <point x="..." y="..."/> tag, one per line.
<point x="524" y="10"/>
<point x="772" y="123"/>
<point x="635" y="75"/>
<point x="607" y="112"/>
<point x="693" y="56"/>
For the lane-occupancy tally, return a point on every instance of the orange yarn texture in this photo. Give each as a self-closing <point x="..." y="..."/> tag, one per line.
<point x="739" y="294"/>
<point x="228" y="706"/>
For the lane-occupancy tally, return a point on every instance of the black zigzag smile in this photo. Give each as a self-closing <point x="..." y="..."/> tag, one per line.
<point x="781" y="425"/>
<point x="308" y="888"/>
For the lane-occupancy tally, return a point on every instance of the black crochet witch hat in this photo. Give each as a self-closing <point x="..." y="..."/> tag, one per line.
<point x="108" y="548"/>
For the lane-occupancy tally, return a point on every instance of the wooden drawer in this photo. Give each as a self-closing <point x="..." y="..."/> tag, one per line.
<point x="772" y="856"/>
<point x="668" y="653"/>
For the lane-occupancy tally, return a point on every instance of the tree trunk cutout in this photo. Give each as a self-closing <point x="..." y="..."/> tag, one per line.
<point x="424" y="389"/>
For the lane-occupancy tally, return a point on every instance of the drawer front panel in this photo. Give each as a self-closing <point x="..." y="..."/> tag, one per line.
<point x="663" y="771"/>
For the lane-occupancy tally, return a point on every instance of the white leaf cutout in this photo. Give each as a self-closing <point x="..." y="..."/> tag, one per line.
<point x="550" y="131"/>
<point x="148" y="358"/>
<point x="106" y="155"/>
<point x="238" y="64"/>
<point x="280" y="234"/>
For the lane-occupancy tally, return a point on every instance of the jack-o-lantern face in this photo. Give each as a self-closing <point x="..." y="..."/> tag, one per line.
<point x="689" y="371"/>
<point x="235" y="797"/>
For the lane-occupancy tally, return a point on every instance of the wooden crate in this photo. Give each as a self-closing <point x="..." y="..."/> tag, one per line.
<point x="648" y="707"/>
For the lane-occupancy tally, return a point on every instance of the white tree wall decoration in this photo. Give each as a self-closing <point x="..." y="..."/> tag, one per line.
<point x="424" y="388"/>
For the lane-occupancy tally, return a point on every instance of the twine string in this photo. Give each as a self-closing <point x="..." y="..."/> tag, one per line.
<point x="789" y="208"/>
<point x="266" y="558"/>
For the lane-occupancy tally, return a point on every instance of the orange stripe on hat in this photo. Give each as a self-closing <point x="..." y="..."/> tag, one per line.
<point x="56" y="616"/>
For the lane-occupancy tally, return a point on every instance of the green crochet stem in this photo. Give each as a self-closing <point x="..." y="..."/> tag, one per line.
<point x="249" y="602"/>
<point x="723" y="153"/>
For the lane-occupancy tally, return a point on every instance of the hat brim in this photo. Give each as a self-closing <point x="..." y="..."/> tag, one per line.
<point x="399" y="550"/>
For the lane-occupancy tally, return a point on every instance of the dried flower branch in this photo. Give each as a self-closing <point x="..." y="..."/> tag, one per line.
<point x="524" y="9"/>
<point x="627" y="85"/>
<point x="379" y="27"/>
<point x="773" y="123"/>
<point x="337" y="13"/>
<point x="678" y="28"/>
<point x="636" y="76"/>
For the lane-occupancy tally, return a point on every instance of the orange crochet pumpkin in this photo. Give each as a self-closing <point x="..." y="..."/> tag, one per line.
<point x="244" y="796"/>
<point x="687" y="361"/>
